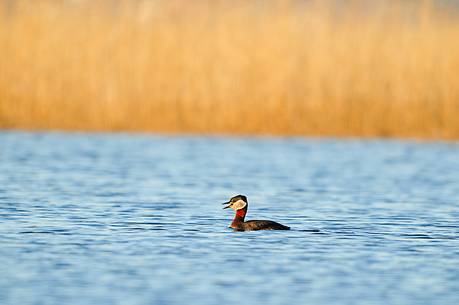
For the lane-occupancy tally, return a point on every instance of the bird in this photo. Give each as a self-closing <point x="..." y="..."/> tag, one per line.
<point x="240" y="205"/>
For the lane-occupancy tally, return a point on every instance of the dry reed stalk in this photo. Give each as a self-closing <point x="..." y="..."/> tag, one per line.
<point x="237" y="67"/>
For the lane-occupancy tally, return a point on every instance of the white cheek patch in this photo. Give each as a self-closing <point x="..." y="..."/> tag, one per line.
<point x="240" y="204"/>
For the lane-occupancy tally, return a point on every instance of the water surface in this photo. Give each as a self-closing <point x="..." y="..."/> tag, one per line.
<point x="135" y="219"/>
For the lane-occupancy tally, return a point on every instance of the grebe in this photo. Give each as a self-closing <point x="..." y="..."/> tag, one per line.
<point x="240" y="204"/>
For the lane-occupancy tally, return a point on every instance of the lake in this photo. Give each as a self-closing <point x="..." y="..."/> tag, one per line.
<point x="137" y="219"/>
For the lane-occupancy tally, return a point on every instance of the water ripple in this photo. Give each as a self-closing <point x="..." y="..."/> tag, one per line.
<point x="136" y="219"/>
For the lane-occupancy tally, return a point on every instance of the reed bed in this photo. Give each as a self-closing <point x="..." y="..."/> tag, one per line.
<point x="321" y="68"/>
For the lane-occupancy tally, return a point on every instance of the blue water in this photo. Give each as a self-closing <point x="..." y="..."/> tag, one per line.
<point x="136" y="219"/>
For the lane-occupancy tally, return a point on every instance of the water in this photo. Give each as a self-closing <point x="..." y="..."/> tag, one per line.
<point x="136" y="219"/>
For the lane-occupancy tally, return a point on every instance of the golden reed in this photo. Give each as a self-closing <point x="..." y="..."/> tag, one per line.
<point x="343" y="68"/>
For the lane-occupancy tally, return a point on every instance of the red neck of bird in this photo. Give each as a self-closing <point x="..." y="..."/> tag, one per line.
<point x="240" y="215"/>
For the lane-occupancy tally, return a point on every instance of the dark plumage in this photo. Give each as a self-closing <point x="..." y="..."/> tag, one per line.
<point x="240" y="204"/>
<point x="254" y="225"/>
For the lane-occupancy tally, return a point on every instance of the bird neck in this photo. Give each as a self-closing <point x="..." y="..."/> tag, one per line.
<point x="240" y="215"/>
